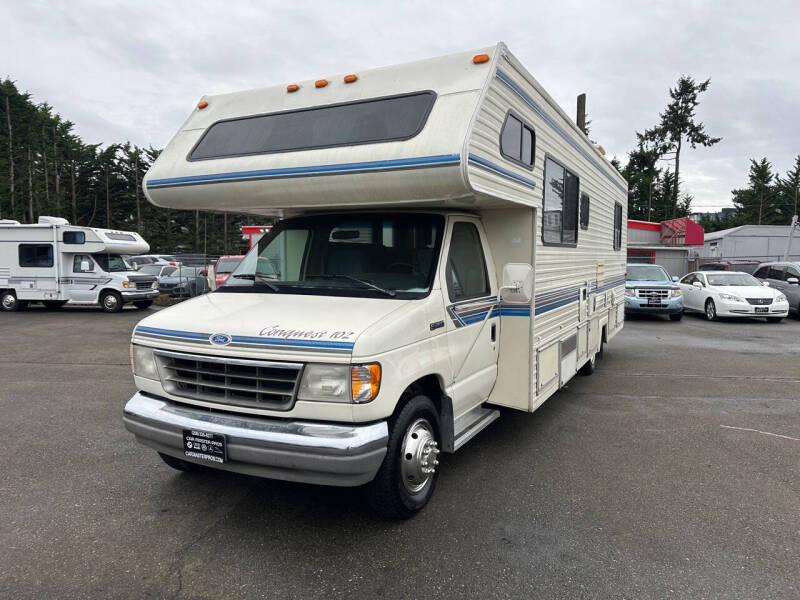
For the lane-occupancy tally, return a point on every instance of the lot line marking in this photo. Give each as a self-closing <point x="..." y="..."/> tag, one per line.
<point x="786" y="437"/>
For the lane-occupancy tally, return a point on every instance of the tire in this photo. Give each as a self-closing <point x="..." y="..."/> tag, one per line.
<point x="143" y="304"/>
<point x="9" y="302"/>
<point x="54" y="304"/>
<point x="711" y="310"/>
<point x="676" y="317"/>
<point x="590" y="366"/>
<point x="182" y="465"/>
<point x="401" y="488"/>
<point x="111" y="301"/>
<point x="774" y="319"/>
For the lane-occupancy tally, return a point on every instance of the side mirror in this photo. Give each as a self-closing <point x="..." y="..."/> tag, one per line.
<point x="793" y="281"/>
<point x="697" y="284"/>
<point x="675" y="278"/>
<point x="85" y="266"/>
<point x="765" y="283"/>
<point x="517" y="283"/>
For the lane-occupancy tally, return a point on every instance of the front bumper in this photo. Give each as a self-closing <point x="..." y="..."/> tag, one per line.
<point x="132" y="295"/>
<point x="309" y="452"/>
<point x="669" y="306"/>
<point x="740" y="309"/>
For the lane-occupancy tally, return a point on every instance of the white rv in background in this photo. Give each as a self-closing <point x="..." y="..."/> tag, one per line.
<point x="450" y="242"/>
<point x="54" y="262"/>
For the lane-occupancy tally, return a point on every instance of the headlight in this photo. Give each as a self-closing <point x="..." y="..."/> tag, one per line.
<point x="155" y="285"/>
<point x="126" y="284"/>
<point x="630" y="292"/>
<point x="675" y="293"/>
<point x="780" y="298"/>
<point x="143" y="363"/>
<point x="340" y="383"/>
<point x="730" y="298"/>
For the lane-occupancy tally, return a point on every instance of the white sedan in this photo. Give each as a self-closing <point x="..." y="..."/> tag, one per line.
<point x="732" y="294"/>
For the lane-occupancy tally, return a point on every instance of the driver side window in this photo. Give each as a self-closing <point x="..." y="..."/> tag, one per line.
<point x="466" y="266"/>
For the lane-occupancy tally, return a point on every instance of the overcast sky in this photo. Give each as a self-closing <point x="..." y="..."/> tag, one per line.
<point x="134" y="70"/>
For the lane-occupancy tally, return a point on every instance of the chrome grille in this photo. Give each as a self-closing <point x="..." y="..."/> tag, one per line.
<point x="760" y="301"/>
<point x="658" y="294"/>
<point x="144" y="285"/>
<point x="240" y="382"/>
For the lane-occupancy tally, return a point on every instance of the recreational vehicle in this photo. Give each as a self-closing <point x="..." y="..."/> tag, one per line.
<point x="448" y="243"/>
<point x="54" y="262"/>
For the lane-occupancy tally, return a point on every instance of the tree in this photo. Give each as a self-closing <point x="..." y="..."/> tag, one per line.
<point x="757" y="203"/>
<point x="678" y="124"/>
<point x="789" y="189"/>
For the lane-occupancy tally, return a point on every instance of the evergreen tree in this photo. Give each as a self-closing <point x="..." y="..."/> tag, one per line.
<point x="789" y="190"/>
<point x="757" y="203"/>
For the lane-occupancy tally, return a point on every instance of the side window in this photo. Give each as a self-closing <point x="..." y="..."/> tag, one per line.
<point x="584" y="211"/>
<point x="689" y="279"/>
<point x="82" y="263"/>
<point x="776" y="272"/>
<point x="517" y="141"/>
<point x="792" y="272"/>
<point x="466" y="267"/>
<point x="761" y="273"/>
<point x="617" y="226"/>
<point x="701" y="278"/>
<point x="36" y="255"/>
<point x="560" y="212"/>
<point x="74" y="237"/>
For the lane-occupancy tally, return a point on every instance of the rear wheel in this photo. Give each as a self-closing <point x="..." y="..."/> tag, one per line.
<point x="774" y="319"/>
<point x="407" y="477"/>
<point x="143" y="304"/>
<point x="711" y="310"/>
<point x="111" y="301"/>
<point x="9" y="302"/>
<point x="54" y="304"/>
<point x="182" y="465"/>
<point x="676" y="317"/>
<point x="589" y="367"/>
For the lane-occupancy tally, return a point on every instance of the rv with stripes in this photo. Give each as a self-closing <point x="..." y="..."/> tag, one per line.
<point x="447" y="243"/>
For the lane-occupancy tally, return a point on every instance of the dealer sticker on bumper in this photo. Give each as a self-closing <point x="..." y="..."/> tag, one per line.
<point x="204" y="446"/>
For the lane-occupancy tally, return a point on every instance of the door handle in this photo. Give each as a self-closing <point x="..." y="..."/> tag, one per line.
<point x="494" y="332"/>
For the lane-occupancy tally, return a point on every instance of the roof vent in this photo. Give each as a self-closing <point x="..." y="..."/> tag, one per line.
<point x="52" y="221"/>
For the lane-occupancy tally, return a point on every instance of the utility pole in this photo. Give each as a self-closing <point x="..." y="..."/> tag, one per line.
<point x="650" y="199"/>
<point x="792" y="227"/>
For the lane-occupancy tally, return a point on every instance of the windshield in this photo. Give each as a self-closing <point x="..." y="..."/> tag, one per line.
<point x="113" y="263"/>
<point x="646" y="273"/>
<point x="365" y="255"/>
<point x="226" y="265"/>
<point x="734" y="279"/>
<point x="150" y="269"/>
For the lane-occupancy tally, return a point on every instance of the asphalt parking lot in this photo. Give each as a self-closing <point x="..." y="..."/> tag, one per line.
<point x="673" y="471"/>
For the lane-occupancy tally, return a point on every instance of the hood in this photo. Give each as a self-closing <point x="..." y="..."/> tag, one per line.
<point x="636" y="284"/>
<point x="748" y="291"/>
<point x="259" y="324"/>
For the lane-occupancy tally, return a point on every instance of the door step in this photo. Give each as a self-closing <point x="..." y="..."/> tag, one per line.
<point x="469" y="424"/>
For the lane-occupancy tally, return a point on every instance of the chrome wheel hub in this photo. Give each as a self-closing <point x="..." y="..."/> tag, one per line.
<point x="8" y="301"/>
<point x="418" y="460"/>
<point x="110" y="301"/>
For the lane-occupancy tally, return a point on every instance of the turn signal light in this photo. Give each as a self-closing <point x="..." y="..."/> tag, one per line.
<point x="202" y="104"/>
<point x="320" y="83"/>
<point x="365" y="381"/>
<point x="292" y="87"/>
<point x="350" y="78"/>
<point x="480" y="58"/>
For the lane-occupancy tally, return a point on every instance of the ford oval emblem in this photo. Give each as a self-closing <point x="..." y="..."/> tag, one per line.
<point x="220" y="339"/>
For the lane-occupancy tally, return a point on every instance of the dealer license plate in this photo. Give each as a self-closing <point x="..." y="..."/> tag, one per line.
<point x="204" y="446"/>
<point x="762" y="309"/>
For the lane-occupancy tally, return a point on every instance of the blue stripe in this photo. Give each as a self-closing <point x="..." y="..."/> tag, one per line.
<point x="482" y="162"/>
<point x="549" y="120"/>
<point x="399" y="163"/>
<point x="242" y="339"/>
<point x="173" y="333"/>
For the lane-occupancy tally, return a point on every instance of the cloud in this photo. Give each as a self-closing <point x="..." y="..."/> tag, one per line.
<point x="134" y="71"/>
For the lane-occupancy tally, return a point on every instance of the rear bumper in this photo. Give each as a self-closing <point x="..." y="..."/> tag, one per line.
<point x="310" y="452"/>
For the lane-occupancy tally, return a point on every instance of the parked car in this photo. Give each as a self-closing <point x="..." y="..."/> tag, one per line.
<point x="153" y="259"/>
<point x="160" y="271"/>
<point x="783" y="276"/>
<point x="185" y="282"/>
<point x="650" y="290"/>
<point x="225" y="266"/>
<point x="732" y="294"/>
<point x="744" y="266"/>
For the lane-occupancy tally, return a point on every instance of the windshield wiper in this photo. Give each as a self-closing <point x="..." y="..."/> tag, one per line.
<point x="361" y="281"/>
<point x="258" y="279"/>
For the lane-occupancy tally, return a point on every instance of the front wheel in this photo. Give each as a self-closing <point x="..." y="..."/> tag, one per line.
<point x="143" y="304"/>
<point x="676" y="317"/>
<point x="111" y="301"/>
<point x="407" y="477"/>
<point x="711" y="310"/>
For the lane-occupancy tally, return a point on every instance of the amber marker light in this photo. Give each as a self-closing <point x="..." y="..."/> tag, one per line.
<point x="480" y="58"/>
<point x="350" y="78"/>
<point x="202" y="104"/>
<point x="292" y="87"/>
<point x="320" y="83"/>
<point x="365" y="381"/>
